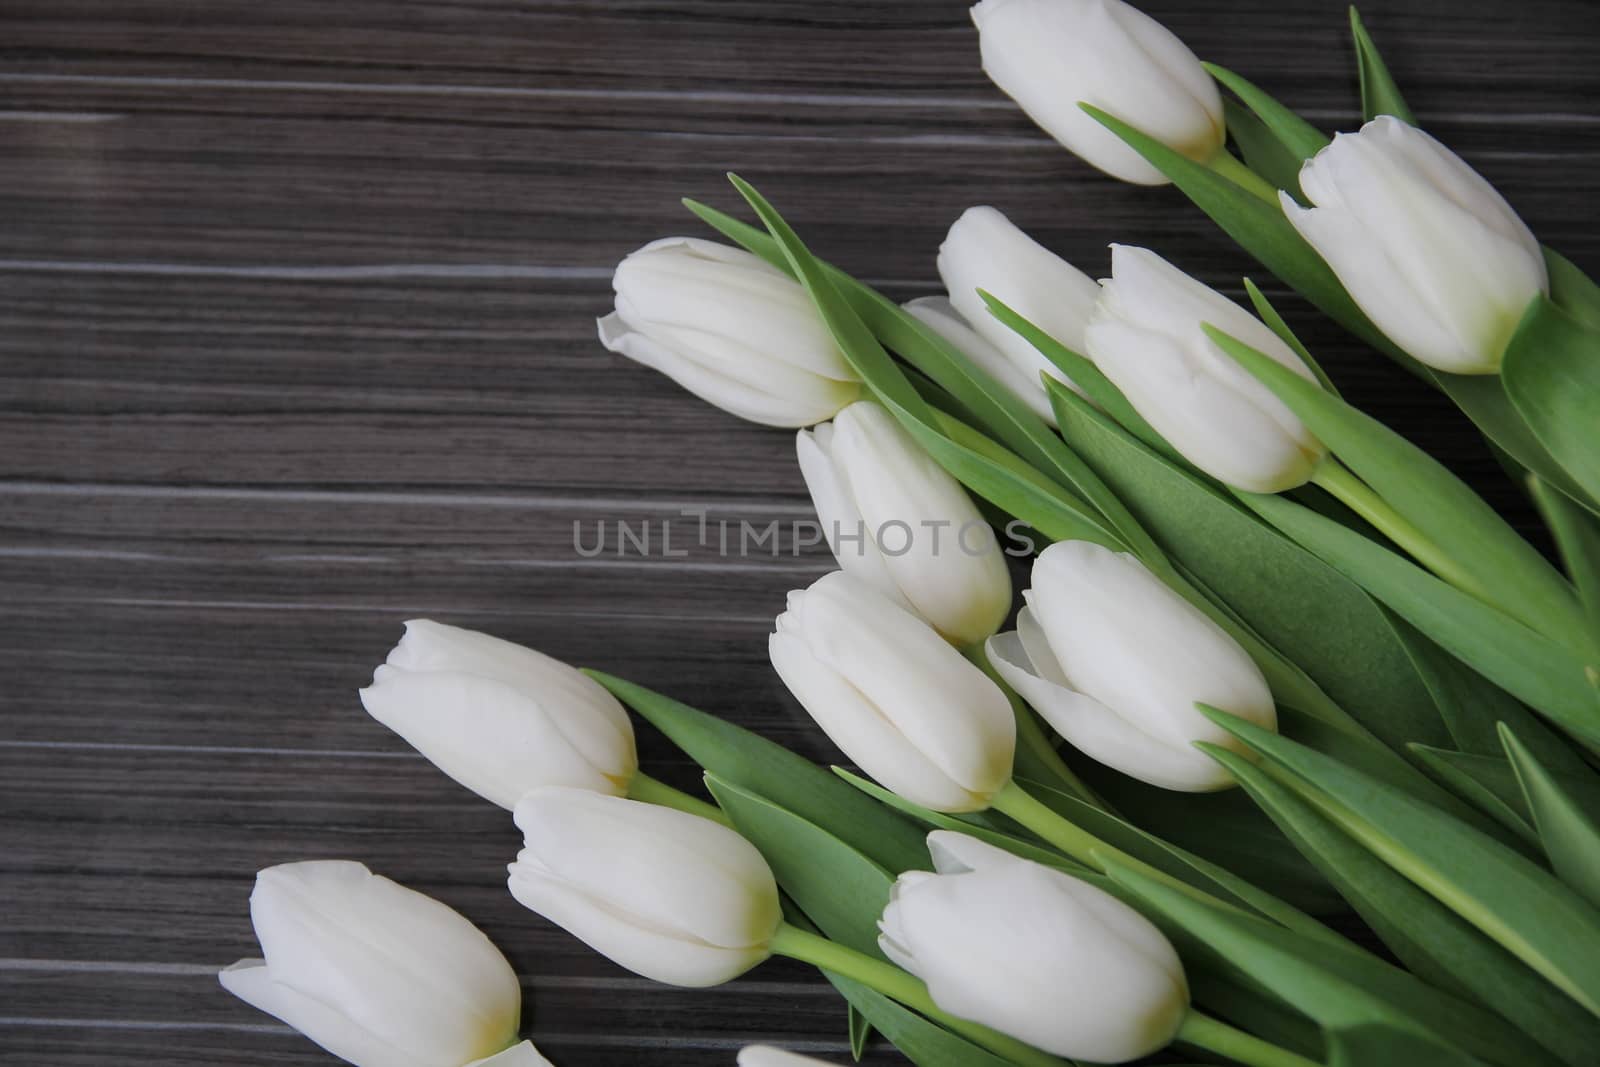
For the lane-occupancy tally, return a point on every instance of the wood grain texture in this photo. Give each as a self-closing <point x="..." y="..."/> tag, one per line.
<point x="296" y="342"/>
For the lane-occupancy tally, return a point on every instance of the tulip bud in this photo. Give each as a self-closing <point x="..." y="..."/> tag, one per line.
<point x="1049" y="55"/>
<point x="377" y="974"/>
<point x="985" y="250"/>
<point x="499" y="718"/>
<point x="1146" y="337"/>
<point x="890" y="692"/>
<point x="1034" y="953"/>
<point x="767" y="1056"/>
<point x="940" y="315"/>
<point x="730" y="328"/>
<point x="899" y="522"/>
<point x="666" y="894"/>
<point x="1116" y="662"/>
<point x="1429" y="250"/>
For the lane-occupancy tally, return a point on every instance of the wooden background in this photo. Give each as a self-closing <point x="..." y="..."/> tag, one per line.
<point x="296" y="342"/>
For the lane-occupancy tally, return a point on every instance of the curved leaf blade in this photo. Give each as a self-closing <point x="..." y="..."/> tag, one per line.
<point x="1552" y="375"/>
<point x="1379" y="93"/>
<point x="1565" y="818"/>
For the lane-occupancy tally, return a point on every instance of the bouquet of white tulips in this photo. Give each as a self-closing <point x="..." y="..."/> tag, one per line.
<point x="1272" y="662"/>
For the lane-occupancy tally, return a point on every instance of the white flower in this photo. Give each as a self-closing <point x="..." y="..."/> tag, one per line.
<point x="1429" y="250"/>
<point x="1035" y="953"/>
<point x="1048" y="55"/>
<point x="985" y="250"/>
<point x="898" y="521"/>
<point x="499" y="718"/>
<point x="890" y="692"/>
<point x="767" y="1056"/>
<point x="730" y="328"/>
<point x="1115" y="661"/>
<point x="377" y="974"/>
<point x="1146" y="337"/>
<point x="666" y="894"/>
<point x="940" y="315"/>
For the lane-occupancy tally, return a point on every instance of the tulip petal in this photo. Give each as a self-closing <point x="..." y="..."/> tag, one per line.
<point x="251" y="982"/>
<point x="669" y="954"/>
<point x="589" y="718"/>
<point x="651" y="866"/>
<point x="394" y="961"/>
<point x="491" y="738"/>
<point x="1097" y="731"/>
<point x="522" y="1054"/>
<point x="842" y="524"/>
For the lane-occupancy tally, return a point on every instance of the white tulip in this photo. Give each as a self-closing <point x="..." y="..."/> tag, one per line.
<point x="898" y="521"/>
<point x="666" y="894"/>
<point x="499" y="718"/>
<point x="1048" y="55"/>
<point x="730" y="328"/>
<point x="894" y="695"/>
<point x="985" y="250"/>
<point x="1115" y="661"/>
<point x="767" y="1056"/>
<point x="1035" y="953"/>
<point x="377" y="974"/>
<point x="1430" y="250"/>
<point x="1146" y="337"/>
<point x="940" y="315"/>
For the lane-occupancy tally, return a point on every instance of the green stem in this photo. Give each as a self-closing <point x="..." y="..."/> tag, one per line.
<point x="1230" y="167"/>
<point x="1360" y="498"/>
<point x="892" y="982"/>
<point x="1203" y="1031"/>
<point x="652" y="791"/>
<point x="1030" y="735"/>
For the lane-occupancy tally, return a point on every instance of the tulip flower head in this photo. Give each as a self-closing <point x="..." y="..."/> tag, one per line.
<point x="1116" y="661"/>
<point x="666" y="894"/>
<point x="895" y="696"/>
<point x="378" y="974"/>
<point x="1146" y="337"/>
<point x="1049" y="55"/>
<point x="898" y="521"/>
<point x="1430" y="250"/>
<point x="499" y="718"/>
<point x="985" y="250"/>
<point x="1034" y="953"/>
<point x="730" y="328"/>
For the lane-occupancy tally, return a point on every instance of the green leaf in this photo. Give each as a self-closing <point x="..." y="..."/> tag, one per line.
<point x="1432" y="941"/>
<point x="1275" y="323"/>
<point x="838" y="887"/>
<point x="1379" y="93"/>
<point x="1472" y="707"/>
<point x="1388" y="1046"/>
<point x="1017" y="846"/>
<point x="1090" y="378"/>
<point x="1340" y="988"/>
<point x="1263" y="152"/>
<point x="1298" y="137"/>
<point x="1577" y="536"/>
<point x="1488" y="782"/>
<point x="924" y="1043"/>
<point x="1507" y="570"/>
<point x="1181" y="864"/>
<point x="1313" y="615"/>
<point x="1495" y="888"/>
<point x="1544" y="675"/>
<point x="1552" y="375"/>
<point x="745" y="759"/>
<point x="1564" y="812"/>
<point x="860" y="1031"/>
<point x="1572" y="290"/>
